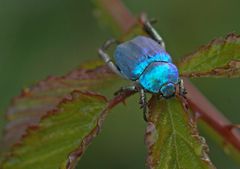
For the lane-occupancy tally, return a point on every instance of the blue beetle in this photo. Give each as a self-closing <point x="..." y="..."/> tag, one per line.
<point x="145" y="61"/>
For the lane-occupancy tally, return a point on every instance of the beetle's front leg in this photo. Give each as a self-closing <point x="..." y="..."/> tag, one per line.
<point x="151" y="31"/>
<point x="105" y="57"/>
<point x="143" y="103"/>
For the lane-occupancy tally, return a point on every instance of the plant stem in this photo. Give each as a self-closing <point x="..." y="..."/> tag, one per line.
<point x="119" y="13"/>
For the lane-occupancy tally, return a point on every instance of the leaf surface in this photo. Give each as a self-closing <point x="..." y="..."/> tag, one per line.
<point x="28" y="108"/>
<point x="219" y="58"/>
<point x="172" y="138"/>
<point x="68" y="128"/>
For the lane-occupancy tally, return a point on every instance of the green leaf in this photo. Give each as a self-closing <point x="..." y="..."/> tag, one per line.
<point x="28" y="108"/>
<point x="172" y="138"/>
<point x="68" y="128"/>
<point x="219" y="58"/>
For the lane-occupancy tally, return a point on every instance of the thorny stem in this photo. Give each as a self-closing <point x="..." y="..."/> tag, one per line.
<point x="198" y="103"/>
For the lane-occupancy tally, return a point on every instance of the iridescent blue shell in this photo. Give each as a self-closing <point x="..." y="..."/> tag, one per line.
<point x="133" y="57"/>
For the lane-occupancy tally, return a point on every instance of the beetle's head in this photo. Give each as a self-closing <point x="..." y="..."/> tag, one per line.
<point x="168" y="90"/>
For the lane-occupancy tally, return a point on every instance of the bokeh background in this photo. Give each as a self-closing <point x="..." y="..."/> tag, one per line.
<point x="41" y="38"/>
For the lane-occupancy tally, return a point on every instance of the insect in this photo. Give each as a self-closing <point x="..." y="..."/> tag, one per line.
<point x="145" y="61"/>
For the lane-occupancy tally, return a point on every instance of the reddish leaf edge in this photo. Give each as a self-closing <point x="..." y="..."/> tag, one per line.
<point x="229" y="69"/>
<point x="82" y="72"/>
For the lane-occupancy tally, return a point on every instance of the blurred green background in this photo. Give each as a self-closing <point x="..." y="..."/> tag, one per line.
<point x="41" y="38"/>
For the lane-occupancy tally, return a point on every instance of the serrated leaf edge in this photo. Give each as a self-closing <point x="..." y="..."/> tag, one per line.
<point x="86" y="140"/>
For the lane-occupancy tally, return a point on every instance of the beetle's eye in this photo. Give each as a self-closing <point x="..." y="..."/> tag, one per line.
<point x="168" y="90"/>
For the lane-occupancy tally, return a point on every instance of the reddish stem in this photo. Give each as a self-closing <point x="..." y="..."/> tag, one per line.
<point x="209" y="114"/>
<point x="197" y="101"/>
<point x="119" y="13"/>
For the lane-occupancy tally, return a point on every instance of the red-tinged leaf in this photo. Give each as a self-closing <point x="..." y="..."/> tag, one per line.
<point x="219" y="58"/>
<point x="28" y="108"/>
<point x="70" y="127"/>
<point x="172" y="139"/>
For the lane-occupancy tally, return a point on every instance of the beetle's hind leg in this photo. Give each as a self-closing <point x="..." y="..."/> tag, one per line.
<point x="105" y="57"/>
<point x="143" y="103"/>
<point x="151" y="31"/>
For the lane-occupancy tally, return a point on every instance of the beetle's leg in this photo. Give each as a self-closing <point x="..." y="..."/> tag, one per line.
<point x="105" y="57"/>
<point x="151" y="31"/>
<point x="182" y="90"/>
<point x="143" y="103"/>
<point x="126" y="88"/>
